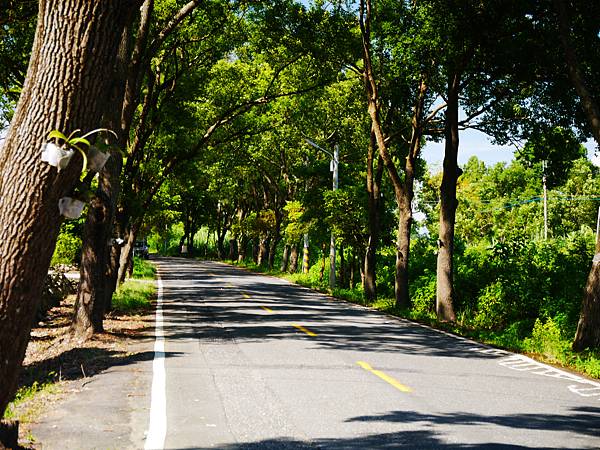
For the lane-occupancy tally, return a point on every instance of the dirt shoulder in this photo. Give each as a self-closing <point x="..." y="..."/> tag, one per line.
<point x="56" y="368"/>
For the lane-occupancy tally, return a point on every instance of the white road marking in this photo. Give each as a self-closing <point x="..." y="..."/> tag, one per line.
<point x="523" y="363"/>
<point x="157" y="430"/>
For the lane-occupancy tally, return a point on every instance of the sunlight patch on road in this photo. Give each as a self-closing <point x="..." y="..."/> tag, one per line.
<point x="304" y="330"/>
<point x="384" y="377"/>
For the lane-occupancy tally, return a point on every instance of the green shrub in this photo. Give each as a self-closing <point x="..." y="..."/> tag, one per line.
<point x="546" y="339"/>
<point x="143" y="269"/>
<point x="67" y="250"/>
<point x="423" y="292"/>
<point x="492" y="305"/>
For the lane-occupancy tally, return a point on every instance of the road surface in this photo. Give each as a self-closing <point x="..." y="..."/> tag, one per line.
<point x="245" y="361"/>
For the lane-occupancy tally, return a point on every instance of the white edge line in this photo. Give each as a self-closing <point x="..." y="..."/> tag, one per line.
<point x="157" y="429"/>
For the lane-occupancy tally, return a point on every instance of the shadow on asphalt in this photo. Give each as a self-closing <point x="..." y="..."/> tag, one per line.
<point x="339" y="325"/>
<point x="208" y="309"/>
<point x="79" y="363"/>
<point x="582" y="420"/>
<point x="402" y="440"/>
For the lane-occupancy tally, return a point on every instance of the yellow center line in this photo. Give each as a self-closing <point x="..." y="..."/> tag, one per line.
<point x="304" y="330"/>
<point x="384" y="377"/>
<point x="267" y="309"/>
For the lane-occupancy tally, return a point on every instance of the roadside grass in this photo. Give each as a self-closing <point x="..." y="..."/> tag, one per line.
<point x="133" y="296"/>
<point x="17" y="410"/>
<point x="545" y="342"/>
<point x="143" y="269"/>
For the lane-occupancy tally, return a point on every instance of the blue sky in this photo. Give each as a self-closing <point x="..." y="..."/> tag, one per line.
<point x="475" y="143"/>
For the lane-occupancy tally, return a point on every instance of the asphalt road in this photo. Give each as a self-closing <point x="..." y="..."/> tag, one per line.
<point x="244" y="361"/>
<point x="253" y="362"/>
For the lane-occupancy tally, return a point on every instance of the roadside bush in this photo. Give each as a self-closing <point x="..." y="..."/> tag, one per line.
<point x="422" y="293"/>
<point x="492" y="306"/>
<point x="143" y="269"/>
<point x="546" y="339"/>
<point x="68" y="250"/>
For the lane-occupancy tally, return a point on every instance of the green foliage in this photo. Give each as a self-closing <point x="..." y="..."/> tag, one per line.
<point x="143" y="269"/>
<point x="134" y="296"/>
<point x="558" y="147"/>
<point x="546" y="340"/>
<point x="68" y="246"/>
<point x="296" y="223"/>
<point x="26" y="393"/>
<point x="422" y="293"/>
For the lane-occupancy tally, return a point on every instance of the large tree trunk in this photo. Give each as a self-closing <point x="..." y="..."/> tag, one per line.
<point x="232" y="249"/>
<point x="402" y="256"/>
<point x="405" y="198"/>
<point x="588" y="328"/>
<point x="96" y="282"/>
<point x="273" y="250"/>
<point x="352" y="270"/>
<point x="285" y="258"/>
<point x="242" y="248"/>
<point x="263" y="252"/>
<point x="448" y="204"/>
<point x="69" y="74"/>
<point x="90" y="302"/>
<point x="402" y="194"/>
<point x="342" y="276"/>
<point x="374" y="199"/>
<point x="294" y="258"/>
<point x="126" y="257"/>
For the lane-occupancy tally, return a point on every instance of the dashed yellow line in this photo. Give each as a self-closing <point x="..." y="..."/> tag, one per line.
<point x="269" y="310"/>
<point x="384" y="377"/>
<point x="304" y="330"/>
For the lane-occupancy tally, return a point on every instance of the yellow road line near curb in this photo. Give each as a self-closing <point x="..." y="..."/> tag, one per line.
<point x="384" y="377"/>
<point x="267" y="309"/>
<point x="304" y="330"/>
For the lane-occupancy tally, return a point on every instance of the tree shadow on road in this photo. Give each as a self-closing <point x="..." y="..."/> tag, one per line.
<point x="385" y="441"/>
<point x="580" y="420"/>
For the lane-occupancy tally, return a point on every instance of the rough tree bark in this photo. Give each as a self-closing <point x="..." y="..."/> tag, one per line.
<point x="94" y="294"/>
<point x="374" y="213"/>
<point x="403" y="187"/>
<point x="294" y="258"/>
<point x="448" y="204"/>
<point x="232" y="249"/>
<point x="70" y="71"/>
<point x="285" y="258"/>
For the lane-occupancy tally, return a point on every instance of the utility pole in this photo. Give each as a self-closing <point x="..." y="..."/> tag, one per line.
<point x="544" y="166"/>
<point x="333" y="167"/>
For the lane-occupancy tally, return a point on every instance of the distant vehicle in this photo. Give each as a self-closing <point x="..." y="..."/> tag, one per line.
<point x="140" y="249"/>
